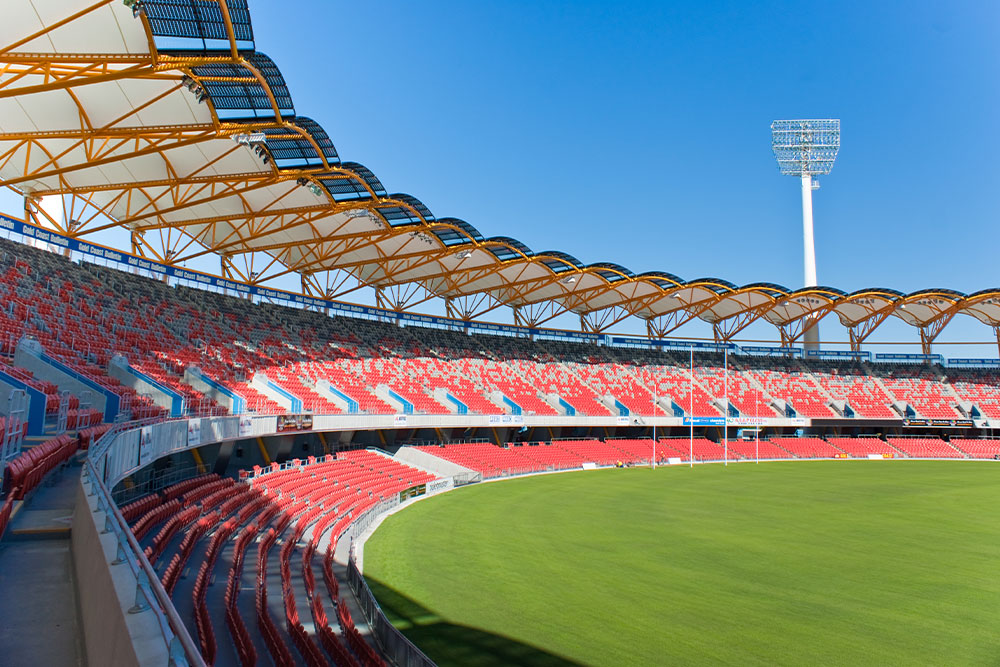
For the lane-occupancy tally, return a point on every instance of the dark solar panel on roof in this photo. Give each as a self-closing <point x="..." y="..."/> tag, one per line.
<point x="274" y="79"/>
<point x="399" y="216"/>
<point x="662" y="279"/>
<point x="197" y="18"/>
<point x="771" y="289"/>
<point x="832" y="292"/>
<point x="416" y="204"/>
<point x="290" y="149"/>
<point x="320" y="136"/>
<point x="450" y="237"/>
<point x="245" y="98"/>
<point x="559" y="261"/>
<point x="954" y="294"/>
<point x="511" y="248"/>
<point x="197" y="25"/>
<point x="344" y="187"/>
<point x="469" y="230"/>
<point x="874" y="291"/>
<point x="611" y="272"/>
<point x="366" y="173"/>
<point x="465" y="233"/>
<point x="717" y="285"/>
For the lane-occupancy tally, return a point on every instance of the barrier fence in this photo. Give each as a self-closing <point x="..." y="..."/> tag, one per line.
<point x="149" y="592"/>
<point x="393" y="643"/>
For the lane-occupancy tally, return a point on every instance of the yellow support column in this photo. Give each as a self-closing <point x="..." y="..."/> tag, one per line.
<point x="263" y="451"/>
<point x="197" y="459"/>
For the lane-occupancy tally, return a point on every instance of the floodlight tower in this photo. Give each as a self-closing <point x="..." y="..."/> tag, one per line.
<point x="806" y="148"/>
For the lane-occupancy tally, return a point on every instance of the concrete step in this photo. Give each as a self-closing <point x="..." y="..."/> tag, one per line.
<point x="38" y="617"/>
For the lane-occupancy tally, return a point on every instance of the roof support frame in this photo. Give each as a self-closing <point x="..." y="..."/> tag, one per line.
<point x="469" y="307"/>
<point x="399" y="298"/>
<point x="724" y="330"/>
<point x="859" y="331"/>
<point x="662" y="325"/>
<point x="931" y="330"/>
<point x="533" y="315"/>
<point x="599" y="321"/>
<point x="793" y="330"/>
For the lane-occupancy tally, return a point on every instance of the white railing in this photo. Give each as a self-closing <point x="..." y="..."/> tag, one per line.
<point x="134" y="445"/>
<point x="149" y="593"/>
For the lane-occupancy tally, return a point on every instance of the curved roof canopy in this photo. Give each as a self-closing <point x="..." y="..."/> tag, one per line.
<point x="163" y="118"/>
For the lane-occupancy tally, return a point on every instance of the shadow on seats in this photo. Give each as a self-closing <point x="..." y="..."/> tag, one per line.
<point x="451" y="644"/>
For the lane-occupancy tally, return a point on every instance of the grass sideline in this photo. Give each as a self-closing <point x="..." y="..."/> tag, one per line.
<point x="843" y="562"/>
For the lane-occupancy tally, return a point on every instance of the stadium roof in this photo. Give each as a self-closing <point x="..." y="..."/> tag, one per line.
<point x="162" y="117"/>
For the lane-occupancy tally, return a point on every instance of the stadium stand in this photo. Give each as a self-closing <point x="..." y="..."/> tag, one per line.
<point x="640" y="450"/>
<point x="921" y="388"/>
<point x="790" y="382"/>
<point x="862" y="447"/>
<point x="926" y="448"/>
<point x="600" y="452"/>
<point x="751" y="449"/>
<point x="704" y="449"/>
<point x="977" y="448"/>
<point x="207" y="524"/>
<point x="163" y="330"/>
<point x="850" y="382"/>
<point x="807" y="448"/>
<point x="980" y="387"/>
<point x="748" y="398"/>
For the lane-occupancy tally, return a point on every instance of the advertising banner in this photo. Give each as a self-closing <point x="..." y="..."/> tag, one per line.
<point x="194" y="432"/>
<point x="294" y="423"/>
<point x="705" y="421"/>
<point x="145" y="445"/>
<point x="506" y="420"/>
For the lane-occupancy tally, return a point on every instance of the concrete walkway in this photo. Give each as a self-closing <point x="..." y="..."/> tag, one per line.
<point x="38" y="611"/>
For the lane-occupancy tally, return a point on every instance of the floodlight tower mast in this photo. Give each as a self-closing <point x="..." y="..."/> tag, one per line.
<point x="806" y="148"/>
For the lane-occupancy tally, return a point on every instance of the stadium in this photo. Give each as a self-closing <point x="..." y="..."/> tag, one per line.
<point x="252" y="465"/>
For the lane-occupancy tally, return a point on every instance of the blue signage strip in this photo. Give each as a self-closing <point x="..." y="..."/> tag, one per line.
<point x="986" y="363"/>
<point x="909" y="358"/>
<point x="838" y="354"/>
<point x="628" y="341"/>
<point x="705" y="421"/>
<point x="770" y="351"/>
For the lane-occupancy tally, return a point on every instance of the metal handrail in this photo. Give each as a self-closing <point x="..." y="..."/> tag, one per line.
<point x="149" y="594"/>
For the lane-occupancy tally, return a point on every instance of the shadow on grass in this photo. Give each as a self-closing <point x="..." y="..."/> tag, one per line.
<point x="450" y="644"/>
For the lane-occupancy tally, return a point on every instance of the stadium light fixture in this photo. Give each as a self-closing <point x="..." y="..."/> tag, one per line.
<point x="806" y="148"/>
<point x="465" y="254"/>
<point x="251" y="139"/>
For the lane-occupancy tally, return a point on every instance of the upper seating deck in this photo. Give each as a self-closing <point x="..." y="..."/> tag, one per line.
<point x="85" y="314"/>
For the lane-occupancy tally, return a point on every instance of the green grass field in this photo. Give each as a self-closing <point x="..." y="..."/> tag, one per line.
<point x="780" y="563"/>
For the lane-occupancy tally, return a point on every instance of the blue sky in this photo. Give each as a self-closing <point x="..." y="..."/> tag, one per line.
<point x="638" y="132"/>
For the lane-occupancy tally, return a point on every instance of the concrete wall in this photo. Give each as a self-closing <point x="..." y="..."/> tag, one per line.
<point x="24" y="358"/>
<point x="105" y="593"/>
<point x="192" y="376"/>
<point x="34" y="411"/>
<point x="430" y="463"/>
<point x="118" y="368"/>
<point x="334" y="395"/>
<point x="383" y="392"/>
<point x="279" y="395"/>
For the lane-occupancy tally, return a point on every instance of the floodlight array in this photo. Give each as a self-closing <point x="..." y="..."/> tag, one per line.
<point x="805" y="147"/>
